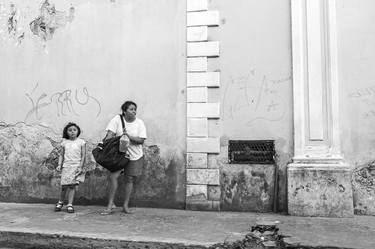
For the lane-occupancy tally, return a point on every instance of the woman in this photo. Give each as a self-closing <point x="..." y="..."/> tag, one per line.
<point x="136" y="131"/>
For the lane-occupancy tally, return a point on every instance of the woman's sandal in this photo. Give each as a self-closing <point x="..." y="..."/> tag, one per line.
<point x="108" y="211"/>
<point x="59" y="206"/>
<point x="70" y="208"/>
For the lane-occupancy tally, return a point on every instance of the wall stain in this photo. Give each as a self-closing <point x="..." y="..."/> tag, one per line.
<point x="363" y="182"/>
<point x="29" y="157"/>
<point x="49" y="20"/>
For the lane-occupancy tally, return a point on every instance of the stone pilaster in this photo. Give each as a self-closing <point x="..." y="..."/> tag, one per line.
<point x="318" y="179"/>
<point x="202" y="183"/>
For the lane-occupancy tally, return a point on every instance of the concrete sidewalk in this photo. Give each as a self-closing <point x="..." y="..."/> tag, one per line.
<point x="166" y="228"/>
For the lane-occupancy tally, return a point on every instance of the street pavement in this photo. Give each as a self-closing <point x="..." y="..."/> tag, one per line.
<point x="168" y="228"/>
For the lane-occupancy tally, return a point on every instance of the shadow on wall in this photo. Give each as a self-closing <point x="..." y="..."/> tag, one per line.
<point x="29" y="156"/>
<point x="363" y="181"/>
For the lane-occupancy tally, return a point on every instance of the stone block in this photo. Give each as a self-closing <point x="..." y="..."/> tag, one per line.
<point x="203" y="145"/>
<point x="199" y="205"/>
<point x="197" y="127"/>
<point x="363" y="178"/>
<point x="211" y="48"/>
<point x="196" y="5"/>
<point x="196" y="192"/>
<point x="196" y="160"/>
<point x="320" y="190"/>
<point x="209" y="79"/>
<point x="197" y="64"/>
<point x="203" y="110"/>
<point x="214" y="128"/>
<point x="203" y="18"/>
<point x="215" y="205"/>
<point x="203" y="176"/>
<point x="214" y="193"/>
<point x="247" y="187"/>
<point x="213" y="160"/>
<point x="194" y="34"/>
<point x="213" y="95"/>
<point x="196" y="94"/>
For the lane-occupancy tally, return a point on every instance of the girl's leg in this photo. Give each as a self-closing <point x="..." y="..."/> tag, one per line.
<point x="72" y="190"/>
<point x="112" y="189"/>
<point x="63" y="193"/>
<point x="129" y="180"/>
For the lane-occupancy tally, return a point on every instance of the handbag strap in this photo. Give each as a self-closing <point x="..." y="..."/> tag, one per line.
<point x="122" y="121"/>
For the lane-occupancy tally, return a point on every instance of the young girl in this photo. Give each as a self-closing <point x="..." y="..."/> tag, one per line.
<point x="71" y="160"/>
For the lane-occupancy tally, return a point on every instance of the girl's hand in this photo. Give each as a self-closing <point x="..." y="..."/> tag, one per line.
<point x="79" y="171"/>
<point x="58" y="168"/>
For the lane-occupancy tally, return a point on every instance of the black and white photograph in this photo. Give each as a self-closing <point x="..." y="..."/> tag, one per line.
<point x="187" y="124"/>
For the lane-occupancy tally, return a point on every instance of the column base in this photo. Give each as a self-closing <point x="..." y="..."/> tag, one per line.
<point x="320" y="190"/>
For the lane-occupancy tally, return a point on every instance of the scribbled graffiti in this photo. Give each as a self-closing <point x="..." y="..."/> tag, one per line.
<point x="63" y="102"/>
<point x="11" y="24"/>
<point x="13" y="19"/>
<point x="365" y="98"/>
<point x="254" y="97"/>
<point x="49" y="20"/>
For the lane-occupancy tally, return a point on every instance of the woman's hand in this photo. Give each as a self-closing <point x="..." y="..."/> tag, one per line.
<point x="125" y="132"/>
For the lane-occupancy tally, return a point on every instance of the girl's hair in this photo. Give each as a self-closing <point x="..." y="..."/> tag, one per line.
<point x="126" y="105"/>
<point x="65" y="131"/>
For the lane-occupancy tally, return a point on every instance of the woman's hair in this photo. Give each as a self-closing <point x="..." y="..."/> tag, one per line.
<point x="65" y="131"/>
<point x="126" y="105"/>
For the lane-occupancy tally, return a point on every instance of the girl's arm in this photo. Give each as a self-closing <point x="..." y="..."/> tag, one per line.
<point x="61" y="158"/>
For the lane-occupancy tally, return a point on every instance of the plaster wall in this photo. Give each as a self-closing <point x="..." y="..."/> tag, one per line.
<point x="80" y="67"/>
<point x="356" y="36"/>
<point x="255" y="93"/>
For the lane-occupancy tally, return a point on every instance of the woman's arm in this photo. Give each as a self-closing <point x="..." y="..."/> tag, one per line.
<point x="136" y="140"/>
<point x="83" y="155"/>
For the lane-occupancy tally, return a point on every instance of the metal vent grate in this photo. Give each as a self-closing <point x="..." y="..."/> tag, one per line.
<point x="251" y="151"/>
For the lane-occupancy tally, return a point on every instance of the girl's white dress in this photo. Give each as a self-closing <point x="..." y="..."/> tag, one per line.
<point x="72" y="160"/>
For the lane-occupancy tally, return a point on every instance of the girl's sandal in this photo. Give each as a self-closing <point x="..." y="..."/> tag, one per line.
<point x="59" y="206"/>
<point x="70" y="208"/>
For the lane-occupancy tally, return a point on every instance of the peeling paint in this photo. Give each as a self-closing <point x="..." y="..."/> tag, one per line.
<point x="49" y="20"/>
<point x="363" y="182"/>
<point x="29" y="157"/>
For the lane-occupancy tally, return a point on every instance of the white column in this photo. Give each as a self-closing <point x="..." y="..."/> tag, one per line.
<point x="315" y="81"/>
<point x="318" y="179"/>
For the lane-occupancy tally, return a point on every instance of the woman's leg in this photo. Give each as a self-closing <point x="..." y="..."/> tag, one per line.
<point x="112" y="189"/>
<point x="129" y="180"/>
<point x="72" y="190"/>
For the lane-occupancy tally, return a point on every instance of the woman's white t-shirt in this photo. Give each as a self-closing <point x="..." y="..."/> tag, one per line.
<point x="135" y="129"/>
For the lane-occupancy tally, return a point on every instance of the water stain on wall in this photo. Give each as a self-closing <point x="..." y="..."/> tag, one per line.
<point x="363" y="182"/>
<point x="29" y="156"/>
<point x="10" y="23"/>
<point x="49" y="20"/>
<point x="247" y="189"/>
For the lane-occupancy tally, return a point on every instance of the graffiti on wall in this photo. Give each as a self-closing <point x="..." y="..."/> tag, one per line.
<point x="49" y="20"/>
<point x="15" y="21"/>
<point x="254" y="98"/>
<point x="63" y="103"/>
<point x="11" y="24"/>
<point x="365" y="97"/>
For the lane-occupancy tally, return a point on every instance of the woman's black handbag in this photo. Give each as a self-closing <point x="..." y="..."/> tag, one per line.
<point x="107" y="154"/>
